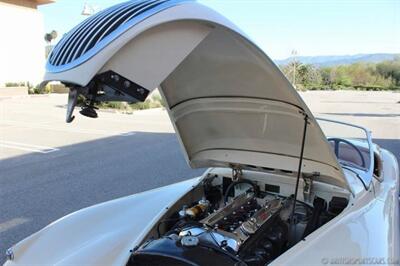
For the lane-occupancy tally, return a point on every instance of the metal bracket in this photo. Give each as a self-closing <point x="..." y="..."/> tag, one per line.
<point x="237" y="173"/>
<point x="308" y="185"/>
<point x="307" y="189"/>
<point x="123" y="85"/>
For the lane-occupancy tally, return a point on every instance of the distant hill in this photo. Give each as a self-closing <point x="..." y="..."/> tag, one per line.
<point x="333" y="60"/>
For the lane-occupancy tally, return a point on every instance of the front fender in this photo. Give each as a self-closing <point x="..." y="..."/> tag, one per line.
<point x="103" y="234"/>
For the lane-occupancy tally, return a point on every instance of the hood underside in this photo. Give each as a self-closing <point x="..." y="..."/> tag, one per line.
<point x="230" y="105"/>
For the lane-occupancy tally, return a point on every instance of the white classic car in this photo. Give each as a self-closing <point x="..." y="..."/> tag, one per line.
<point x="278" y="190"/>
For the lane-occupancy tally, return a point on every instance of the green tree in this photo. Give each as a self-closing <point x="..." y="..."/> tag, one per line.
<point x="390" y="70"/>
<point x="308" y="75"/>
<point x="384" y="75"/>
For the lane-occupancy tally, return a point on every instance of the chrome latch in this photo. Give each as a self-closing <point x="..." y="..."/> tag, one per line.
<point x="237" y="173"/>
<point x="308" y="186"/>
<point x="10" y="254"/>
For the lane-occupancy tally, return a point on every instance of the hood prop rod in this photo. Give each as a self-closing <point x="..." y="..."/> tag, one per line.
<point x="292" y="233"/>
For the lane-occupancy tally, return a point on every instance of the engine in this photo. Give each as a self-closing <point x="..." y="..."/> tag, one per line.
<point x="237" y="223"/>
<point x="240" y="222"/>
<point x="247" y="231"/>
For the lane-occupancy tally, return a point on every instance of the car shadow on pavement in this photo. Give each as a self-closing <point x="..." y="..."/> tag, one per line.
<point x="36" y="189"/>
<point x="40" y="188"/>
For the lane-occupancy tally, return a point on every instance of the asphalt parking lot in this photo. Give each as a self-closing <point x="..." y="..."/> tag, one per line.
<point x="49" y="168"/>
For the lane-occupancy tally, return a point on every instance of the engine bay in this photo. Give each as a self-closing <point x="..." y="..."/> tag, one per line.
<point x="235" y="222"/>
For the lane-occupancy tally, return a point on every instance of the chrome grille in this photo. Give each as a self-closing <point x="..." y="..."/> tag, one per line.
<point x="96" y="30"/>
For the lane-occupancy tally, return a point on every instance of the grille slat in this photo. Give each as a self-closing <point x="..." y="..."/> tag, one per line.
<point x="96" y="23"/>
<point x="143" y="10"/>
<point x="119" y="21"/>
<point x="64" y="43"/>
<point x="84" y="44"/>
<point x="92" y="34"/>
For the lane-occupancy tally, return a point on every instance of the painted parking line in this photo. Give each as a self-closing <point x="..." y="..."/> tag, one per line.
<point x="64" y="129"/>
<point x="127" y="134"/>
<point x="26" y="147"/>
<point x="11" y="224"/>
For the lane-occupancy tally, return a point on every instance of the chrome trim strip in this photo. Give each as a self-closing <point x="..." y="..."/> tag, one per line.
<point x="89" y="30"/>
<point x="134" y="14"/>
<point x="80" y="28"/>
<point x="365" y="176"/>
<point x="137" y="9"/>
<point x="113" y="35"/>
<point x="83" y="39"/>
<point x="92" y="35"/>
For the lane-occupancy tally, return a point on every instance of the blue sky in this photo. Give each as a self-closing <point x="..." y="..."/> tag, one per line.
<point x="311" y="27"/>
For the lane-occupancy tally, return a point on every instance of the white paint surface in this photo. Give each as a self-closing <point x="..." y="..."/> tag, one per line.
<point x="22" y="54"/>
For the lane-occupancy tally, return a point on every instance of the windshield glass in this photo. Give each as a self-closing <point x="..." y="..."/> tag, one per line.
<point x="350" y="143"/>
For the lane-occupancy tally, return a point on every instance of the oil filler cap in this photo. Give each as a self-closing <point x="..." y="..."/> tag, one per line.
<point x="189" y="241"/>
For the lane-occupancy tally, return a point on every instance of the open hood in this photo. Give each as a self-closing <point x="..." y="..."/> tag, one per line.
<point x="230" y="105"/>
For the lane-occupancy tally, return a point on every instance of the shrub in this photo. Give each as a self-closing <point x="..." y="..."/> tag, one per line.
<point x="156" y="98"/>
<point x="359" y="76"/>
<point x="16" y="84"/>
<point x="39" y="90"/>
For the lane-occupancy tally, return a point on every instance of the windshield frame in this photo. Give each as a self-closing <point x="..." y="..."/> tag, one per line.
<point x="364" y="175"/>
